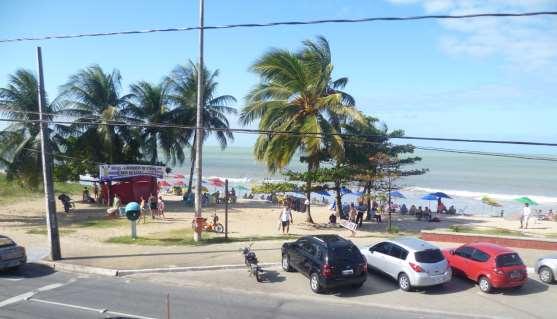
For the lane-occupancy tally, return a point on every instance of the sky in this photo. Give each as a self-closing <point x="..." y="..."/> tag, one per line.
<point x="482" y="78"/>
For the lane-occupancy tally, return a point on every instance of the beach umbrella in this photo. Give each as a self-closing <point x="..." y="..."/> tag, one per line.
<point x="323" y="193"/>
<point x="242" y="188"/>
<point x="164" y="184"/>
<point x="526" y="200"/>
<point x="429" y="197"/>
<point x="217" y="182"/>
<point x="490" y="201"/>
<point x="178" y="176"/>
<point x="397" y="194"/>
<point x="441" y="195"/>
<point x="344" y="190"/>
<point x="179" y="183"/>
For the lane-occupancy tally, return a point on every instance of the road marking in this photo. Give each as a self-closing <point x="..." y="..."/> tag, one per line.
<point x="97" y="310"/>
<point x="29" y="294"/>
<point x="12" y="279"/>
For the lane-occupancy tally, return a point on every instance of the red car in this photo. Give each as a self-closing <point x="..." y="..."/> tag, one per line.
<point x="490" y="265"/>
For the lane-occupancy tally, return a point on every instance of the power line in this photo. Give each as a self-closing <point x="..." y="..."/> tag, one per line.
<point x="350" y="140"/>
<point x="275" y="132"/>
<point x="279" y="23"/>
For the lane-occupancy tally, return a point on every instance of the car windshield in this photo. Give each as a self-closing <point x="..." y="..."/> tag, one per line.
<point x="429" y="256"/>
<point x="4" y="241"/>
<point x="507" y="260"/>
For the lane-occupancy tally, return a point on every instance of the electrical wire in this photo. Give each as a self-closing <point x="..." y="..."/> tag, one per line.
<point x="275" y="132"/>
<point x="350" y="139"/>
<point x="280" y="23"/>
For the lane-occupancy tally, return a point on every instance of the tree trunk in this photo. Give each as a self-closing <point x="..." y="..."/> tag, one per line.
<point x="308" y="194"/>
<point x="192" y="168"/>
<point x="369" y="184"/>
<point x="338" y="199"/>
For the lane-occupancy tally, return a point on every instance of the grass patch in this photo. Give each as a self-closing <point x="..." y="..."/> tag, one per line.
<point x="11" y="191"/>
<point x="486" y="231"/>
<point x="184" y="237"/>
<point x="42" y="231"/>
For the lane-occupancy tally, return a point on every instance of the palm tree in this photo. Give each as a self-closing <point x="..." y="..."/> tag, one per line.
<point x="183" y="81"/>
<point x="296" y="93"/>
<point x="93" y="96"/>
<point x="20" y="141"/>
<point x="150" y="103"/>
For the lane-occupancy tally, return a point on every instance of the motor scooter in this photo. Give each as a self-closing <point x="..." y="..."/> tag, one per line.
<point x="251" y="262"/>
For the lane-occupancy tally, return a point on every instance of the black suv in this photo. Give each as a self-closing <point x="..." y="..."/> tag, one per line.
<point x="329" y="261"/>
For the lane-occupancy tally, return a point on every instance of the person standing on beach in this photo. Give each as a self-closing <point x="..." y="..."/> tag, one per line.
<point x="286" y="219"/>
<point x="153" y="205"/>
<point x="526" y="211"/>
<point x="160" y="207"/>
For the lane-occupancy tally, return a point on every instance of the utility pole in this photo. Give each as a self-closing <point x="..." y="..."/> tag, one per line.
<point x="226" y="198"/>
<point x="46" y="160"/>
<point x="199" y="124"/>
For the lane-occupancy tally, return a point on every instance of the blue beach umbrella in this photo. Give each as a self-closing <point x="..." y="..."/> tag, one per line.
<point x="344" y="190"/>
<point x="441" y="195"/>
<point x="397" y="194"/>
<point x="323" y="193"/>
<point x="429" y="197"/>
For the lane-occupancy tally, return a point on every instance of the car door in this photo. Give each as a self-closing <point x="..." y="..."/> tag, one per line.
<point x="296" y="251"/>
<point x="308" y="257"/>
<point x="477" y="263"/>
<point x="377" y="255"/>
<point x="393" y="262"/>
<point x="460" y="259"/>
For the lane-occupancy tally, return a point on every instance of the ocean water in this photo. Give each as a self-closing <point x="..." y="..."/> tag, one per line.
<point x="464" y="177"/>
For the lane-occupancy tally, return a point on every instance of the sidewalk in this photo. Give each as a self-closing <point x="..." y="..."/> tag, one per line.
<point x="132" y="257"/>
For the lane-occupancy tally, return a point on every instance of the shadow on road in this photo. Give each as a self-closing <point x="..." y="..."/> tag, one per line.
<point x="30" y="270"/>
<point x="271" y="276"/>
<point x="531" y="287"/>
<point x="456" y="285"/>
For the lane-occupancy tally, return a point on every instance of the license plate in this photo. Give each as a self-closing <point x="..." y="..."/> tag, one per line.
<point x="515" y="275"/>
<point x="347" y="272"/>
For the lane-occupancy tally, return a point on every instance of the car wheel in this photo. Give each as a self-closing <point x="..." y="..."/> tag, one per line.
<point x="484" y="284"/>
<point x="546" y="275"/>
<point x="404" y="282"/>
<point x="286" y="263"/>
<point x="314" y="283"/>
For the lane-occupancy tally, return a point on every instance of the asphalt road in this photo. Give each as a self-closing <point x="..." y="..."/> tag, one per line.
<point x="37" y="292"/>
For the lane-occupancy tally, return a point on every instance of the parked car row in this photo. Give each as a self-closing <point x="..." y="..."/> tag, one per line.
<point x="11" y="254"/>
<point x="330" y="261"/>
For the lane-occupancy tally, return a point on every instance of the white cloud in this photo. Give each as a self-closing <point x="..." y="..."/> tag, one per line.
<point x="524" y="43"/>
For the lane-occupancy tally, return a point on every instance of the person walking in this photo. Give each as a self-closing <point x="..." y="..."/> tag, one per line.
<point x="352" y="213"/>
<point x="360" y="215"/>
<point x="526" y="212"/>
<point x="285" y="218"/>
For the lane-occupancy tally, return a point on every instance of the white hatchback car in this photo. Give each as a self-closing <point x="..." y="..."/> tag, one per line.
<point x="411" y="261"/>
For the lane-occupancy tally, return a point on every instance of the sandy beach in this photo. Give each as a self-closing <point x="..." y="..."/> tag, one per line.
<point x="24" y="221"/>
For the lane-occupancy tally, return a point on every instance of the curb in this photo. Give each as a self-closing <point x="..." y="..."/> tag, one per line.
<point x="62" y="266"/>
<point x="79" y="268"/>
<point x="125" y="272"/>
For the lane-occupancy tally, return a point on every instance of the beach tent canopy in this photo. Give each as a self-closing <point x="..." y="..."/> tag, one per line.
<point x="397" y="194"/>
<point x="323" y="193"/>
<point x="178" y="176"/>
<point x="490" y="201"/>
<point x="441" y="195"/>
<point x="164" y="184"/>
<point x="429" y="197"/>
<point x="526" y="200"/>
